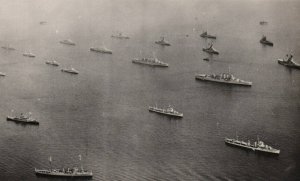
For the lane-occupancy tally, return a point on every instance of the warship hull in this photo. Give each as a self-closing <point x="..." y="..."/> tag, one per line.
<point x="17" y="120"/>
<point x="100" y="51"/>
<point x="210" y="52"/>
<point x="151" y="109"/>
<point x="150" y="64"/>
<point x="203" y="78"/>
<point x="47" y="173"/>
<point x="282" y="62"/>
<point x="266" y="43"/>
<point x="163" y="44"/>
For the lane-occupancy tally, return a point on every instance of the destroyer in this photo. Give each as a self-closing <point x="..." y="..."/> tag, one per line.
<point x="53" y="62"/>
<point x="211" y="50"/>
<point x="257" y="146"/>
<point x="101" y="50"/>
<point x="150" y="61"/>
<point x="289" y="62"/>
<point x="70" y="70"/>
<point x="169" y="111"/>
<point x="206" y="35"/>
<point x="120" y="36"/>
<point x="163" y="42"/>
<point x="67" y="42"/>
<point x="264" y="41"/>
<point x="23" y="118"/>
<point x="28" y="54"/>
<point x="64" y="172"/>
<point x="223" y="78"/>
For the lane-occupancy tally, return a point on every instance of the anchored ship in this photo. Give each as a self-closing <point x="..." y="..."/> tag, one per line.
<point x="23" y="118"/>
<point x="206" y="35"/>
<point x="163" y="42"/>
<point x="2" y="74"/>
<point x="211" y="50"/>
<point x="53" y="62"/>
<point x="264" y="41"/>
<point x="101" y="50"/>
<point x="169" y="111"/>
<point x="289" y="62"/>
<point x="150" y="61"/>
<point x="257" y="146"/>
<point x="70" y="70"/>
<point x="64" y="172"/>
<point x="28" y="54"/>
<point x="8" y="48"/>
<point x="223" y="78"/>
<point x="263" y="22"/>
<point x="120" y="36"/>
<point x="67" y="42"/>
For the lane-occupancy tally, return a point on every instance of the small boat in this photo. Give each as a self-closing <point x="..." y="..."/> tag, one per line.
<point x="211" y="50"/>
<point x="259" y="146"/>
<point x="70" y="70"/>
<point x="223" y="78"/>
<point x="120" y="36"/>
<point x="101" y="50"/>
<point x="8" y="47"/>
<point x="23" y="118"/>
<point x="53" y="62"/>
<point x="2" y="74"/>
<point x="64" y="172"/>
<point x="263" y="22"/>
<point x="264" y="41"/>
<point x="29" y="54"/>
<point x="169" y="111"/>
<point x="206" y="59"/>
<point x="67" y="42"/>
<point x="206" y="35"/>
<point x="43" y="22"/>
<point x="163" y="42"/>
<point x="289" y="62"/>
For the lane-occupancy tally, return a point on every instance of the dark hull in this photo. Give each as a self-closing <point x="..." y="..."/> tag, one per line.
<point x="65" y="176"/>
<point x="22" y="122"/>
<point x="166" y="114"/>
<point x="163" y="44"/>
<point x="266" y="43"/>
<point x="208" y="36"/>
<point x="99" y="51"/>
<point x="289" y="65"/>
<point x="210" y="52"/>
<point x="227" y="83"/>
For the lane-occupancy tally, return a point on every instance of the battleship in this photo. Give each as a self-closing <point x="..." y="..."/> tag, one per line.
<point x="101" y="50"/>
<point x="150" y="61"/>
<point x="70" y="70"/>
<point x="23" y="118"/>
<point x="163" y="42"/>
<point x="64" y="172"/>
<point x="211" y="50"/>
<point x="120" y="36"/>
<point x="206" y="35"/>
<point x="289" y="62"/>
<point x="169" y="111"/>
<point x="257" y="146"/>
<point x="223" y="78"/>
<point x="67" y="42"/>
<point x="264" y="41"/>
<point x="8" y="48"/>
<point x="28" y="54"/>
<point x="53" y="62"/>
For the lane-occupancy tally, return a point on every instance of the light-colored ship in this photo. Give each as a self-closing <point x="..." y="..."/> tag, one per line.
<point x="64" y="172"/>
<point x="206" y="35"/>
<point x="150" y="61"/>
<point x="70" y="70"/>
<point x="23" y="118"/>
<point x="223" y="78"/>
<point x="288" y="61"/>
<point x="29" y="54"/>
<point x="67" y="42"/>
<point x="120" y="36"/>
<point x="101" y="50"/>
<point x="257" y="146"/>
<point x="52" y="62"/>
<point x="163" y="42"/>
<point x="264" y="41"/>
<point x="211" y="50"/>
<point x="169" y="111"/>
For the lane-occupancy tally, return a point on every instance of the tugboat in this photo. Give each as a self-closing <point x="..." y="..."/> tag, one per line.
<point x="67" y="42"/>
<point x="120" y="36"/>
<point x="64" y="172"/>
<point x="211" y="50"/>
<point x="223" y="78"/>
<point x="23" y="118"/>
<point x="53" y="62"/>
<point x="257" y="146"/>
<point x="264" y="41"/>
<point x="289" y="62"/>
<point x="169" y="111"/>
<point x="163" y="42"/>
<point x="70" y="70"/>
<point x="101" y="50"/>
<point x="28" y="54"/>
<point x="8" y="48"/>
<point x="206" y="35"/>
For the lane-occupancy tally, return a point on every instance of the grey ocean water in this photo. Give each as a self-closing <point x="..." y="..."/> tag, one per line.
<point x="102" y="112"/>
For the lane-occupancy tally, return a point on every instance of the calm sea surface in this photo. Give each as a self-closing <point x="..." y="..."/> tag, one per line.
<point x="102" y="112"/>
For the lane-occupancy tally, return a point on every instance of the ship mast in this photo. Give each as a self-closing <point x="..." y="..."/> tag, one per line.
<point x="50" y="160"/>
<point x="80" y="162"/>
